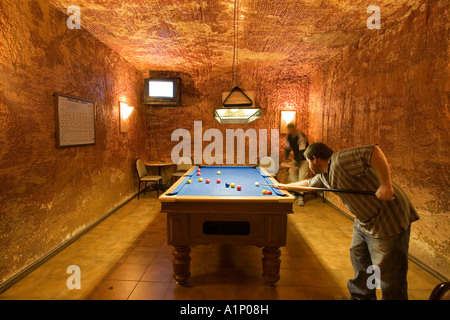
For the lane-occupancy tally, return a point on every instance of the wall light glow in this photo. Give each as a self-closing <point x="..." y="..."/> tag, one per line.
<point x="287" y="117"/>
<point x="125" y="112"/>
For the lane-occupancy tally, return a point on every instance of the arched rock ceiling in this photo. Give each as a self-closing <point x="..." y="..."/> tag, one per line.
<point x="184" y="36"/>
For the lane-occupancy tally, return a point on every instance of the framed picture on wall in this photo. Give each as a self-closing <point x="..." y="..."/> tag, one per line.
<point x="75" y="121"/>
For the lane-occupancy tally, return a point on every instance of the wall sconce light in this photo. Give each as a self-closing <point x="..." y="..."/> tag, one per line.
<point x="124" y="114"/>
<point x="286" y="118"/>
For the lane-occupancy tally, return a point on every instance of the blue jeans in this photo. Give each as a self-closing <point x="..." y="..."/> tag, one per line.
<point x="390" y="255"/>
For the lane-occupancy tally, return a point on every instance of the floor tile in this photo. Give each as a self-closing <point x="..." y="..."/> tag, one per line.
<point x="88" y="287"/>
<point x="99" y="270"/>
<point x="291" y="293"/>
<point x="419" y="294"/>
<point x="189" y="292"/>
<point x="256" y="292"/>
<point x="220" y="292"/>
<point x="140" y="257"/>
<point x="316" y="278"/>
<point x="114" y="290"/>
<point x="325" y="293"/>
<point x="149" y="291"/>
<point x="417" y="280"/>
<point x="128" y="271"/>
<point x="158" y="273"/>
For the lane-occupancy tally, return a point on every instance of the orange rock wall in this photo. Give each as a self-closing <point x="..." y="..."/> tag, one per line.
<point x="48" y="194"/>
<point x="393" y="90"/>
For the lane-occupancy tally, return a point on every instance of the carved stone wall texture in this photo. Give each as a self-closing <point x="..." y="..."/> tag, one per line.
<point x="349" y="85"/>
<point x="47" y="194"/>
<point x="393" y="90"/>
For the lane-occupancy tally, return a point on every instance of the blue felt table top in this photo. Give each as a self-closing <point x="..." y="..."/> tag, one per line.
<point x="243" y="176"/>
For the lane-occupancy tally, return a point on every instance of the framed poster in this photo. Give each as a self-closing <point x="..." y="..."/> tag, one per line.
<point x="75" y="121"/>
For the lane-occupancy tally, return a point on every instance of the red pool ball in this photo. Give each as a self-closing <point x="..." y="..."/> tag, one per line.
<point x="269" y="192"/>
<point x="198" y="170"/>
<point x="239" y="188"/>
<point x="218" y="180"/>
<point x="207" y="181"/>
<point x="199" y="173"/>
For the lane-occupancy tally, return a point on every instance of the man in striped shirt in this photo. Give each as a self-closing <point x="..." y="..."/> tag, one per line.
<point x="382" y="222"/>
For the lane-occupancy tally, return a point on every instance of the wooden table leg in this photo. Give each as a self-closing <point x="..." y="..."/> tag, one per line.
<point x="271" y="265"/>
<point x="181" y="264"/>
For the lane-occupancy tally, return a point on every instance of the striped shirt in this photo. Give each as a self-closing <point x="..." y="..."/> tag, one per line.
<point x="350" y="169"/>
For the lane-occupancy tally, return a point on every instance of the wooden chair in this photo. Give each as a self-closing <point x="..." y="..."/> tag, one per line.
<point x="144" y="178"/>
<point x="441" y="292"/>
<point x="184" y="163"/>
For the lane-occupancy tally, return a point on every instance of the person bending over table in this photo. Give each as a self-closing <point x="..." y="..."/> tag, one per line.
<point x="298" y="169"/>
<point x="381" y="228"/>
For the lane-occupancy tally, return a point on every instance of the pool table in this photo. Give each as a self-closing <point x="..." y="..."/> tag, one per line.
<point x="204" y="213"/>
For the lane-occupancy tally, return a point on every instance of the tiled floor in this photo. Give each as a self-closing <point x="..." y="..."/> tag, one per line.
<point x="126" y="257"/>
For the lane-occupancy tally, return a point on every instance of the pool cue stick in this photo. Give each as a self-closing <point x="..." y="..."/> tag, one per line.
<point x="305" y="189"/>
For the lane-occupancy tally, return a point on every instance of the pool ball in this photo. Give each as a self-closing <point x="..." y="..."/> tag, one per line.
<point x="201" y="179"/>
<point x="232" y="185"/>
<point x="264" y="192"/>
<point x="198" y="170"/>
<point x="218" y="172"/>
<point x="256" y="183"/>
<point x="227" y="185"/>
<point x="189" y="181"/>
<point x="239" y="188"/>
<point x="269" y="192"/>
<point x="218" y="180"/>
<point x="199" y="173"/>
<point x="207" y="181"/>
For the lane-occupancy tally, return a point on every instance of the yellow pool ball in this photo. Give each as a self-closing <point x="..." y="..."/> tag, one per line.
<point x="189" y="181"/>
<point x="201" y="179"/>
<point x="264" y="192"/>
<point x="232" y="185"/>
<point x="218" y="172"/>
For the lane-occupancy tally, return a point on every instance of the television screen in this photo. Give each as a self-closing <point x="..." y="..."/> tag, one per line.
<point x="162" y="92"/>
<point x="161" y="89"/>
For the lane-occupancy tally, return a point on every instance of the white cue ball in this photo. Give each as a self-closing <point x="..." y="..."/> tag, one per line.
<point x="256" y="183"/>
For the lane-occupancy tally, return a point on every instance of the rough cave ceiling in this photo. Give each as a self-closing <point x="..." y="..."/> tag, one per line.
<point x="184" y="36"/>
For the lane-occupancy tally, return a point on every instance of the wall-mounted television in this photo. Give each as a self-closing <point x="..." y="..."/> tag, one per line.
<point x="163" y="92"/>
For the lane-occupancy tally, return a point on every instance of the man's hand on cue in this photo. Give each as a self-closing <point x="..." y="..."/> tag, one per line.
<point x="385" y="193"/>
<point x="289" y="187"/>
<point x="281" y="186"/>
